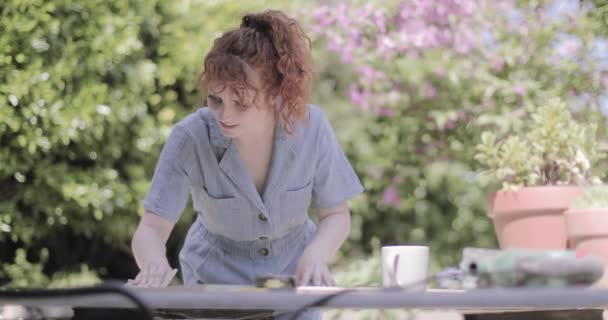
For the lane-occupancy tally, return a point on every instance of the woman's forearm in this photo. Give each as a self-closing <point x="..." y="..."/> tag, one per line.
<point x="332" y="231"/>
<point x="148" y="243"/>
<point x="147" y="246"/>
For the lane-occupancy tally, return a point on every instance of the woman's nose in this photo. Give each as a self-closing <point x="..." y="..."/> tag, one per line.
<point x="226" y="114"/>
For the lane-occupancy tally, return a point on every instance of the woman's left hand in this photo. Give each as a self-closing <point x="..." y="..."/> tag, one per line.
<point x="313" y="268"/>
<point x="332" y="230"/>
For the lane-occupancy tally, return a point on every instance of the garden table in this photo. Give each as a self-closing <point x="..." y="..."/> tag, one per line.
<point x="226" y="302"/>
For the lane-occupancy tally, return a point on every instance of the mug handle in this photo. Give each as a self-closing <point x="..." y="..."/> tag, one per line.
<point x="392" y="271"/>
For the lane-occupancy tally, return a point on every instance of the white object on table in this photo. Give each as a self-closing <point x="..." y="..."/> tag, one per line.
<point x="405" y="266"/>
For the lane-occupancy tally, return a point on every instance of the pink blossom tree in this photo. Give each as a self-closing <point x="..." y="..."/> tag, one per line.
<point x="429" y="76"/>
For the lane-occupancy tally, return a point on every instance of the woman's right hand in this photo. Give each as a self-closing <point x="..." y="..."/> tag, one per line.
<point x="148" y="245"/>
<point x="154" y="275"/>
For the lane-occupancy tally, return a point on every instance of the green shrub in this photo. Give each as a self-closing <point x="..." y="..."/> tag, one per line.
<point x="89" y="91"/>
<point x="550" y="148"/>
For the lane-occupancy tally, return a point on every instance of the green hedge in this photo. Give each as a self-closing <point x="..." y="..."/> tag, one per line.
<point x="89" y="91"/>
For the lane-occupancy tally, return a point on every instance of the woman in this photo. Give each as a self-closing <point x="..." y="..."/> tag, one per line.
<point x="253" y="160"/>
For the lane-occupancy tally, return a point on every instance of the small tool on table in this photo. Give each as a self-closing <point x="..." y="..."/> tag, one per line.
<point x="275" y="281"/>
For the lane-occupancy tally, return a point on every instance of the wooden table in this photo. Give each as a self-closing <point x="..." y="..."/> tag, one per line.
<point x="227" y="301"/>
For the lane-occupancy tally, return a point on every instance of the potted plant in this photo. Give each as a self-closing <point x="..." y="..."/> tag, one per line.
<point x="542" y="168"/>
<point x="587" y="224"/>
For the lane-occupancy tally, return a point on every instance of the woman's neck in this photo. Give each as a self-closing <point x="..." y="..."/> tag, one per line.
<point x="265" y="133"/>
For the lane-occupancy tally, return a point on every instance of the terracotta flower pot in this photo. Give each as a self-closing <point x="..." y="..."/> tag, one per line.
<point x="588" y="231"/>
<point x="532" y="217"/>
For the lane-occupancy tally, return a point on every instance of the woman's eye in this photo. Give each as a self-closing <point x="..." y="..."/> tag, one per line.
<point x="214" y="101"/>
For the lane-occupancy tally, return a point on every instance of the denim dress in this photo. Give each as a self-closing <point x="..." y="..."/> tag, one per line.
<point x="239" y="233"/>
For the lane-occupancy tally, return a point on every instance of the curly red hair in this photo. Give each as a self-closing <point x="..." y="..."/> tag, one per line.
<point x="273" y="44"/>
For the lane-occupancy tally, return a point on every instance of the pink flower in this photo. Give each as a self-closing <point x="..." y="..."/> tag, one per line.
<point x="413" y="54"/>
<point x="440" y="72"/>
<point x="334" y="41"/>
<point x="347" y="54"/>
<point x="365" y="11"/>
<point x="497" y="63"/>
<point x="441" y="12"/>
<point x="519" y="90"/>
<point x="523" y="30"/>
<point x="391" y="196"/>
<point x="444" y="38"/>
<point x="355" y="37"/>
<point x="466" y="8"/>
<point x="406" y="10"/>
<point x="367" y="73"/>
<point x="380" y="75"/>
<point x="462" y="116"/>
<point x="430" y="91"/>
<point x="505" y="6"/>
<point x="325" y="21"/>
<point x="342" y="17"/>
<point x="449" y="124"/>
<point x="320" y="12"/>
<point x="379" y="21"/>
<point x="464" y="41"/>
<point x="571" y="46"/>
<point x="387" y="112"/>
<point x="385" y="44"/>
<point x="323" y="18"/>
<point x="393" y="97"/>
<point x="359" y="97"/>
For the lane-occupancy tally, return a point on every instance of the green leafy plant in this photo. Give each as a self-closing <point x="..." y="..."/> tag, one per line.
<point x="89" y="92"/>
<point x="593" y="197"/>
<point x="551" y="148"/>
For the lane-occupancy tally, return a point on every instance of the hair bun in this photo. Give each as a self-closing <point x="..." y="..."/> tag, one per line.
<point x="254" y="22"/>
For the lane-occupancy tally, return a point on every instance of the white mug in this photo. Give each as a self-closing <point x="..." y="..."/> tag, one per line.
<point x="405" y="266"/>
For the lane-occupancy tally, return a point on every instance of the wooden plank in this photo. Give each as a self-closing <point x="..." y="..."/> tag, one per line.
<point x="474" y="301"/>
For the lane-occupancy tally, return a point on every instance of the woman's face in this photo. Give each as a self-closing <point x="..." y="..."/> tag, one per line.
<point x="238" y="118"/>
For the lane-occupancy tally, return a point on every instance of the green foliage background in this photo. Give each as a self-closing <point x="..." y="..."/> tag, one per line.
<point x="89" y="91"/>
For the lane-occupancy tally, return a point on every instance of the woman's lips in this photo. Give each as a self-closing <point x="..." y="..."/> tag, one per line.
<point x="228" y="126"/>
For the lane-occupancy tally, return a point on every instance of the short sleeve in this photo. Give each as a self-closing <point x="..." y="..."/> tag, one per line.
<point x="170" y="188"/>
<point x="335" y="181"/>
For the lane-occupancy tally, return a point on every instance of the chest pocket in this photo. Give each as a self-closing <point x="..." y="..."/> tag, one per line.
<point x="294" y="205"/>
<point x="202" y="201"/>
<point x="226" y="216"/>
